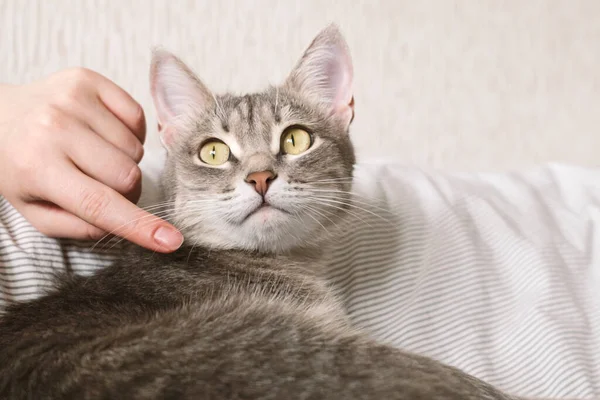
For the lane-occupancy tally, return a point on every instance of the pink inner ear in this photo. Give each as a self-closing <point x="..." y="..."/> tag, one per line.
<point x="338" y="69"/>
<point x="343" y="103"/>
<point x="166" y="135"/>
<point x="177" y="93"/>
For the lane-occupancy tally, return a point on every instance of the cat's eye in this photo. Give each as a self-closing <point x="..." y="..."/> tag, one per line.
<point x="295" y="141"/>
<point x="214" y="152"/>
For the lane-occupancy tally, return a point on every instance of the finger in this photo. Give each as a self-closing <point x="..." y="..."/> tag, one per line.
<point x="55" y="222"/>
<point x="112" y="129"/>
<point x="123" y="106"/>
<point x="106" y="209"/>
<point x="102" y="161"/>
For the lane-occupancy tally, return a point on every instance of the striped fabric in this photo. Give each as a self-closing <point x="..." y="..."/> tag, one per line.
<point x="28" y="259"/>
<point x="498" y="275"/>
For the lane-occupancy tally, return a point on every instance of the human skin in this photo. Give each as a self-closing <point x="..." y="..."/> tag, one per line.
<point x="69" y="148"/>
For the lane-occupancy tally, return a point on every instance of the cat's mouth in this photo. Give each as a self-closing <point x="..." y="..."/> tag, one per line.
<point x="266" y="209"/>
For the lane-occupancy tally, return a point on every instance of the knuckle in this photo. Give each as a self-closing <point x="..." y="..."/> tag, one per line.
<point x="50" y="118"/>
<point x="80" y="74"/>
<point x="131" y="146"/>
<point x="138" y="152"/>
<point x="130" y="178"/>
<point x="70" y="94"/>
<point x="140" y="118"/>
<point x="92" y="233"/>
<point x="77" y="79"/>
<point x="74" y="82"/>
<point x="94" y="204"/>
<point x="140" y="122"/>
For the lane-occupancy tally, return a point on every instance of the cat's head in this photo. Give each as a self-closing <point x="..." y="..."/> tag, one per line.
<point x="268" y="171"/>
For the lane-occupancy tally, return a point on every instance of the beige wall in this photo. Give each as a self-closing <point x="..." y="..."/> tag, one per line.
<point x="486" y="84"/>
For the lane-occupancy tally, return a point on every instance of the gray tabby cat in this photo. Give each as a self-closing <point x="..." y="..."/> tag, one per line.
<point x="240" y="311"/>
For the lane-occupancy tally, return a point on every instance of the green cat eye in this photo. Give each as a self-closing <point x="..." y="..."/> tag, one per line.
<point x="214" y="152"/>
<point x="295" y="141"/>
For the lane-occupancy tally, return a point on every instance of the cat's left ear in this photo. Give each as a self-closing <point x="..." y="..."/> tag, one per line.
<point x="178" y="94"/>
<point x="324" y="75"/>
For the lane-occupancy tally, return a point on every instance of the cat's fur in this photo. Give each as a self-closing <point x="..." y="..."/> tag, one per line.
<point x="239" y="312"/>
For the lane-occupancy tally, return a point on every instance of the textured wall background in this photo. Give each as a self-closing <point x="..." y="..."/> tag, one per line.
<point x="459" y="84"/>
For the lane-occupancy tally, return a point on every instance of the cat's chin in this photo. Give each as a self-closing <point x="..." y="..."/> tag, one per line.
<point x="268" y="229"/>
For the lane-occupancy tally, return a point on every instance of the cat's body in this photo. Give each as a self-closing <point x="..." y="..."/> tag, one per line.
<point x="216" y="325"/>
<point x="257" y="184"/>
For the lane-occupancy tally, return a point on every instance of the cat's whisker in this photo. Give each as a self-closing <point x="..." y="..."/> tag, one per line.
<point x="193" y="222"/>
<point x="157" y="209"/>
<point x="182" y="198"/>
<point x="318" y="222"/>
<point x="352" y="194"/>
<point x="154" y="205"/>
<point x="326" y="203"/>
<point x="350" y="203"/>
<point x="354" y="206"/>
<point x="289" y="231"/>
<point x="322" y="214"/>
<point x="122" y="238"/>
<point x="179" y="198"/>
<point x="196" y="242"/>
<point x="333" y="179"/>
<point x="118" y="238"/>
<point x="150" y="208"/>
<point x="114" y="231"/>
<point x="318" y="178"/>
<point x="326" y="183"/>
<point x="347" y="178"/>
<point x="332" y="237"/>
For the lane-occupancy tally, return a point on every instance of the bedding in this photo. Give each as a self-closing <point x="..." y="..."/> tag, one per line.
<point x="496" y="274"/>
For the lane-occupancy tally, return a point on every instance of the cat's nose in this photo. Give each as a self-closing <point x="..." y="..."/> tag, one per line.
<point x="261" y="180"/>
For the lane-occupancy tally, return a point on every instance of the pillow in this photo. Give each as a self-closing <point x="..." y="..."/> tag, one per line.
<point x="496" y="274"/>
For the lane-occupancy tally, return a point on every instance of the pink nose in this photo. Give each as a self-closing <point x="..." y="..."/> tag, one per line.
<point x="261" y="180"/>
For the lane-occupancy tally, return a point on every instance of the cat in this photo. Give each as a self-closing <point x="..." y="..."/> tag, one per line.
<point x="255" y="183"/>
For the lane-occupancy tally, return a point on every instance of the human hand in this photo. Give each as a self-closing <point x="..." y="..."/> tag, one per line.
<point x="69" y="148"/>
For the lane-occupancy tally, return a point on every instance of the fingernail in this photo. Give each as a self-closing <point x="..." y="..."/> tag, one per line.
<point x="168" y="237"/>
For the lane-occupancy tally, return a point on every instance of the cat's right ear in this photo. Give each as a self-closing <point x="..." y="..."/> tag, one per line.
<point x="324" y="75"/>
<point x="177" y="93"/>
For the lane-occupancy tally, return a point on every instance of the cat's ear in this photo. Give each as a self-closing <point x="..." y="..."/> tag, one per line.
<point x="324" y="74"/>
<point x="177" y="93"/>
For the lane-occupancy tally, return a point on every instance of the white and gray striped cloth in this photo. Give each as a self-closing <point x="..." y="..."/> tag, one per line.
<point x="497" y="274"/>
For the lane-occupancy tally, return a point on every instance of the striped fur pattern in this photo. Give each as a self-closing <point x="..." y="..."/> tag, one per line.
<point x="236" y="313"/>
